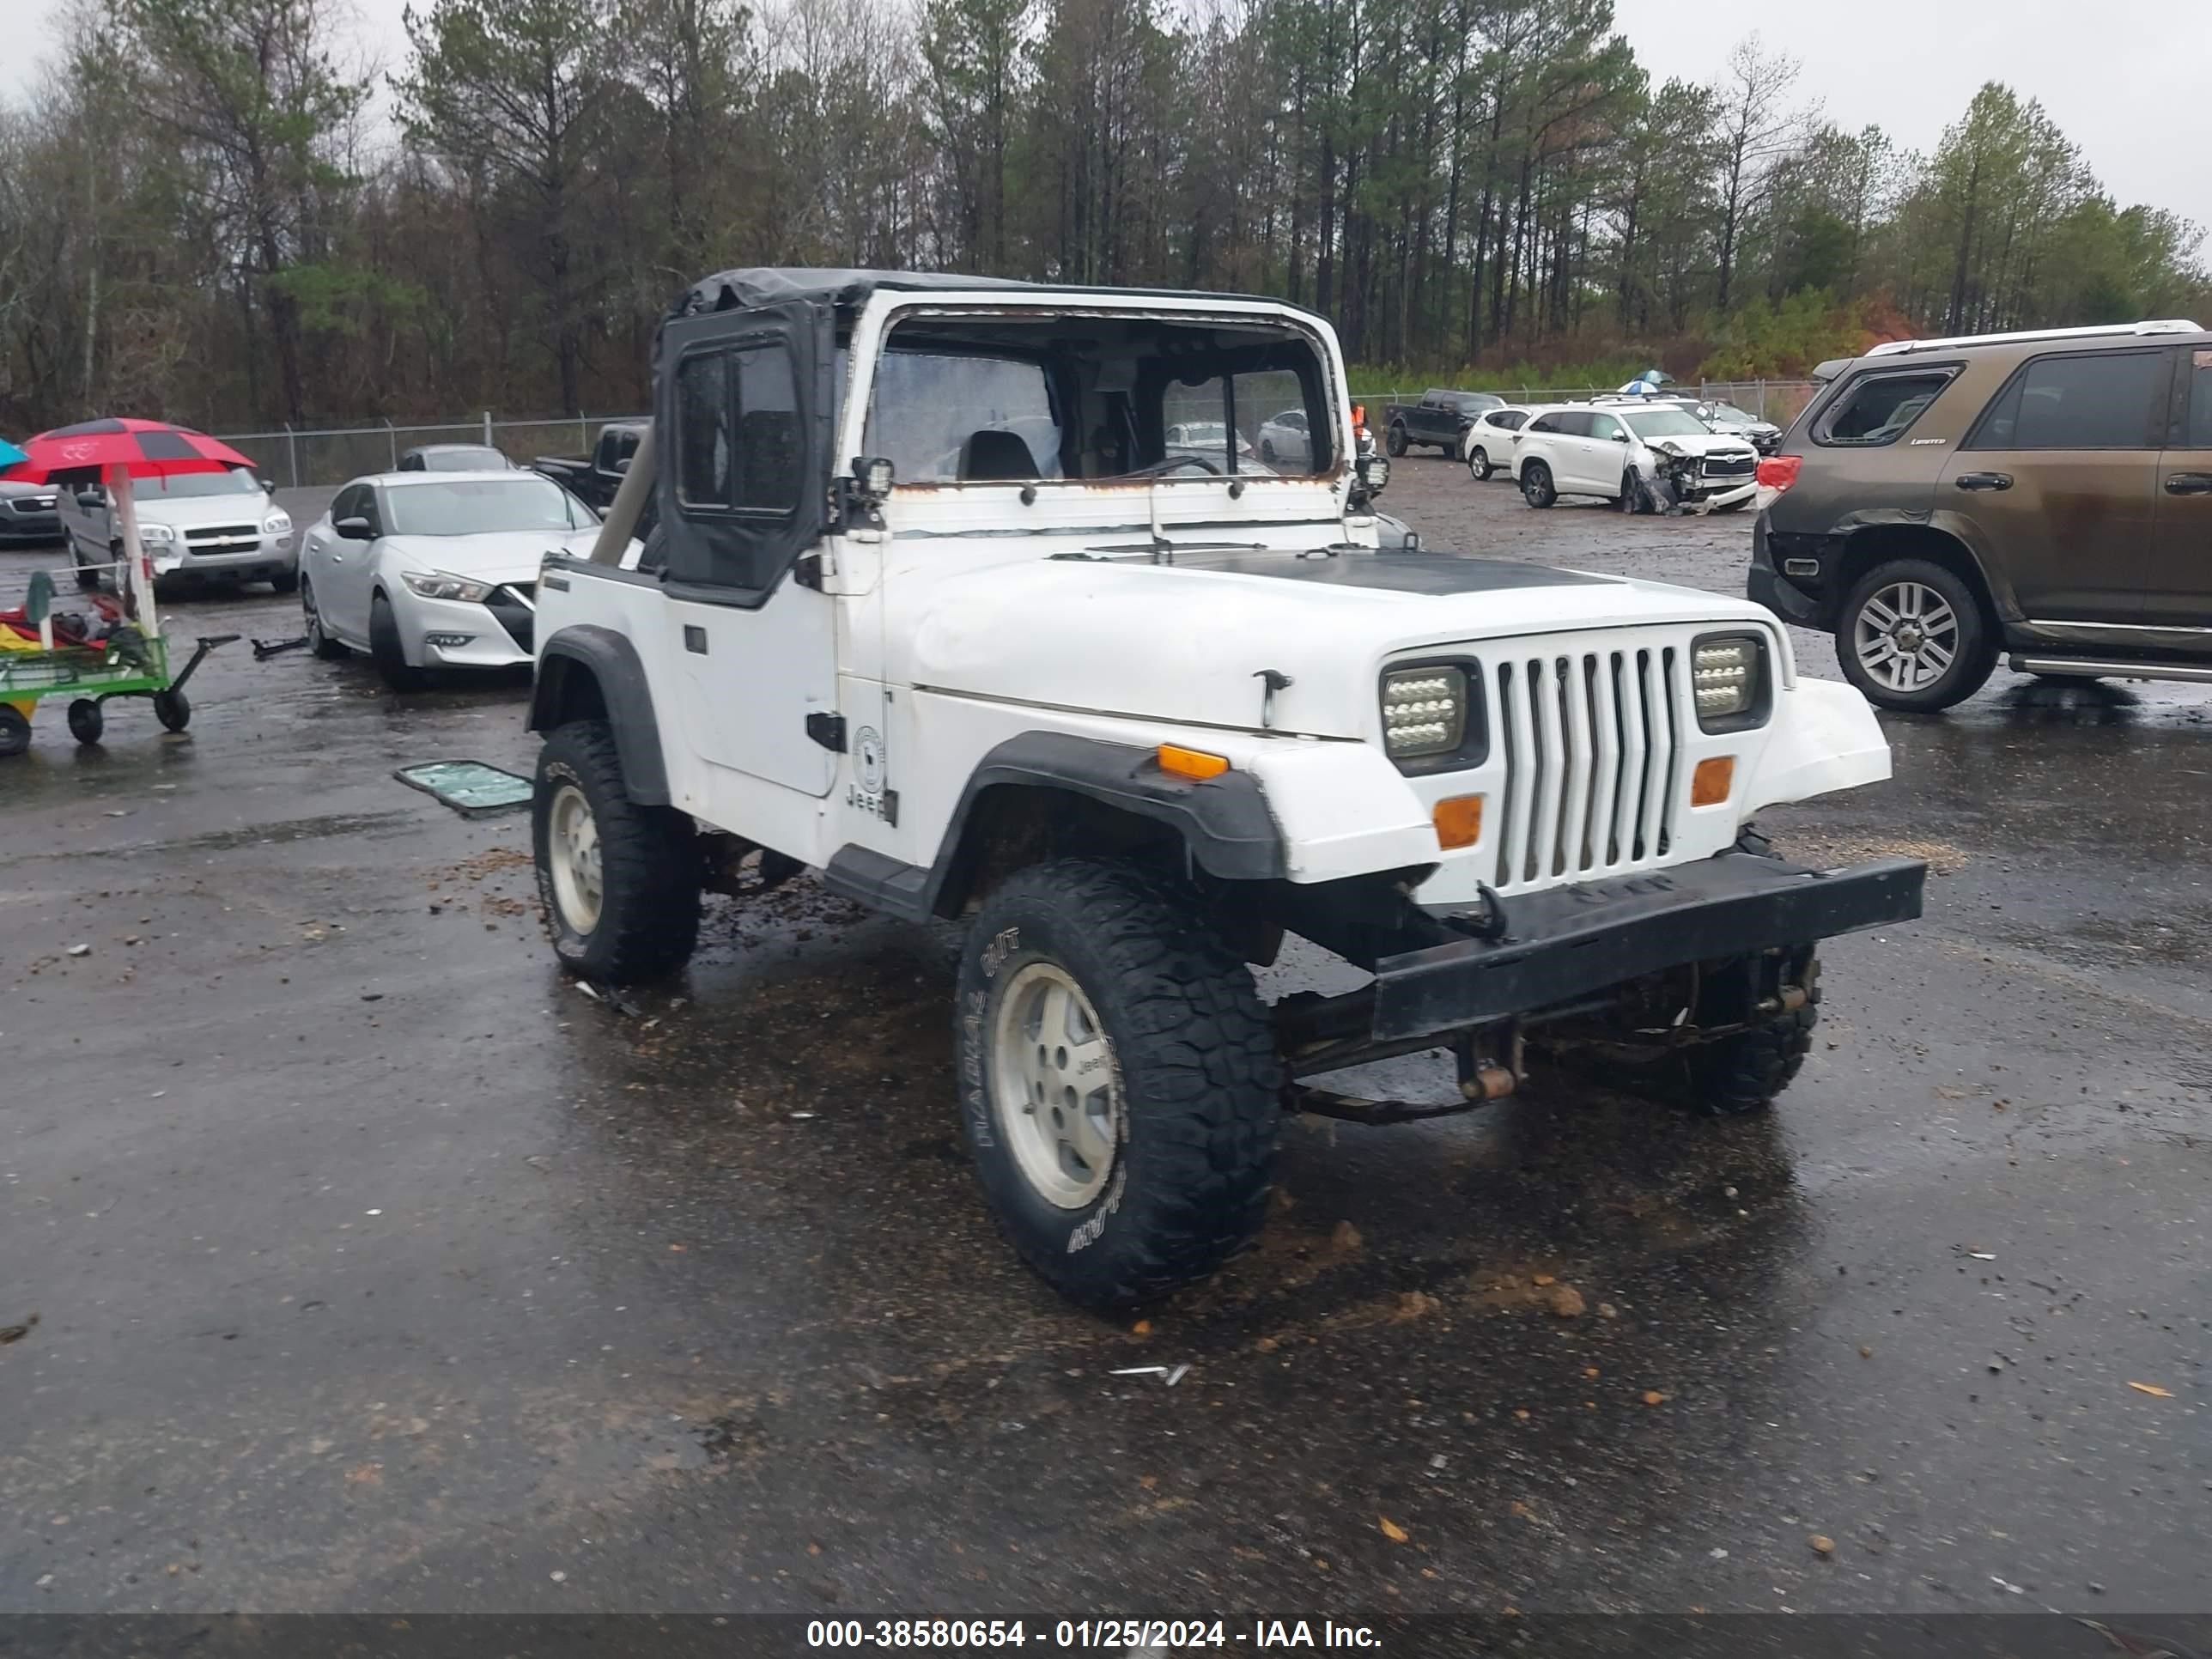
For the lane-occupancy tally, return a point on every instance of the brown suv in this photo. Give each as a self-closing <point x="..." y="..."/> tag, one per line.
<point x="2047" y="496"/>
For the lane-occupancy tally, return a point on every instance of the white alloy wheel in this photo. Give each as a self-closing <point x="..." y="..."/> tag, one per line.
<point x="1056" y="1096"/>
<point x="572" y="844"/>
<point x="1907" y="635"/>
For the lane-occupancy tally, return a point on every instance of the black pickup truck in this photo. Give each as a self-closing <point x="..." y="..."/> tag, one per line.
<point x="1442" y="418"/>
<point x="596" y="477"/>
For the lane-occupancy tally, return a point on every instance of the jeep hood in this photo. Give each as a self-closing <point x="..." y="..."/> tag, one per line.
<point x="1186" y="643"/>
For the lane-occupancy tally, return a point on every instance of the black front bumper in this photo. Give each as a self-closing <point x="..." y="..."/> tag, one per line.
<point x="1567" y="943"/>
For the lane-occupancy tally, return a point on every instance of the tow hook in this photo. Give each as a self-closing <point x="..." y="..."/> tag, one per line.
<point x="1486" y="1076"/>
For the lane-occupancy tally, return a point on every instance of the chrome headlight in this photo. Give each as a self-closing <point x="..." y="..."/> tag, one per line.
<point x="1424" y="712"/>
<point x="1728" y="681"/>
<point x="156" y="535"/>
<point x="436" y="585"/>
<point x="278" y="523"/>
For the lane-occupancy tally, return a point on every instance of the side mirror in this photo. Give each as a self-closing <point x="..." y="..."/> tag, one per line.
<point x="1620" y="437"/>
<point x="1373" y="473"/>
<point x="89" y="497"/>
<point x="356" y="529"/>
<point x="269" y="486"/>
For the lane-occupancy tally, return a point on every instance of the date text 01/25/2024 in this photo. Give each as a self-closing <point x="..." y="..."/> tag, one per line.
<point x="1112" y="1635"/>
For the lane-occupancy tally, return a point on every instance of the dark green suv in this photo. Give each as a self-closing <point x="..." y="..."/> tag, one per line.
<point x="2046" y="497"/>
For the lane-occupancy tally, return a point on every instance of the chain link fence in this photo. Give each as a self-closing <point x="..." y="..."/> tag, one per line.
<point x="300" y="457"/>
<point x="1778" y="401"/>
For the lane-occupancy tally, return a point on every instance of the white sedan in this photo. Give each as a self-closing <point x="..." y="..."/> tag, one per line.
<point x="430" y="570"/>
<point x="1285" y="440"/>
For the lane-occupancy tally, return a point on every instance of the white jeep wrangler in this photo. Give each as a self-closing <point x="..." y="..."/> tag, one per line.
<point x="938" y="607"/>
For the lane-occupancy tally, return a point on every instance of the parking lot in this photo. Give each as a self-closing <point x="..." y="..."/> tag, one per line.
<point x="375" y="1266"/>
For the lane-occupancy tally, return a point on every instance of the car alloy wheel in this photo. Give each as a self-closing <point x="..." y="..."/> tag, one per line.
<point x="1056" y="1097"/>
<point x="1905" y="636"/>
<point x="573" y="849"/>
<point x="1477" y="463"/>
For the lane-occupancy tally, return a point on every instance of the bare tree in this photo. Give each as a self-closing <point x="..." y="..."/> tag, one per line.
<point x="1756" y="128"/>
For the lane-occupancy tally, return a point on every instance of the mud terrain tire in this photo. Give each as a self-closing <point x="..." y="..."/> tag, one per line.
<point x="1191" y="1091"/>
<point x="1742" y="1074"/>
<point x="646" y="859"/>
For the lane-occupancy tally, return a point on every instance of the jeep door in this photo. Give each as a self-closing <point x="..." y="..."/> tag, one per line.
<point x="2178" y="586"/>
<point x="742" y="397"/>
<point x="2059" y="478"/>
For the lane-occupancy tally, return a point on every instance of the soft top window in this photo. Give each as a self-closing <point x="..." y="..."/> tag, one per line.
<point x="1038" y="400"/>
<point x="744" y="399"/>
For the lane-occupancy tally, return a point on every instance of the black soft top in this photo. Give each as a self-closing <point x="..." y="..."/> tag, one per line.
<point x="768" y="285"/>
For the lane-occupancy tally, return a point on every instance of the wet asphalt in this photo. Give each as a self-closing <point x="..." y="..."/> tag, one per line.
<point x="375" y="1266"/>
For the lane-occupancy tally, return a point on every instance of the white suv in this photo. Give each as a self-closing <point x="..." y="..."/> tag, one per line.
<point x="1588" y="450"/>
<point x="1134" y="713"/>
<point x="1487" y="446"/>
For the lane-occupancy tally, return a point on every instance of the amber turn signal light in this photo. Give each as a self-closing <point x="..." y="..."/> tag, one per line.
<point x="1710" y="783"/>
<point x="1458" y="819"/>
<point x="1191" y="762"/>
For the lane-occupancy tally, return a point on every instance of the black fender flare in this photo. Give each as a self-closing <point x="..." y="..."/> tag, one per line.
<point x="612" y="661"/>
<point x="1223" y="821"/>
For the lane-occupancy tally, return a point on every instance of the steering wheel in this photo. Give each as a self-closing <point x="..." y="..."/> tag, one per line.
<point x="1171" y="463"/>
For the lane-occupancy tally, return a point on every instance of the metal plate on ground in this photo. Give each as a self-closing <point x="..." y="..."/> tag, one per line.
<point x="470" y="788"/>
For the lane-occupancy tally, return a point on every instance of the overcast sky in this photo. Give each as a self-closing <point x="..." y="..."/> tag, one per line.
<point x="2124" y="79"/>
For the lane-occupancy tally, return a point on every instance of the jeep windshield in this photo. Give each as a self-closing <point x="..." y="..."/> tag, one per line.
<point x="1077" y="399"/>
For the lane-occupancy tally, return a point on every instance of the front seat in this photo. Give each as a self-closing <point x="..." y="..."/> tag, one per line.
<point x="994" y="455"/>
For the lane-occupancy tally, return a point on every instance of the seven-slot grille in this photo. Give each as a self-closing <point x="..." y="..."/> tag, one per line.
<point x="223" y="538"/>
<point x="1592" y="745"/>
